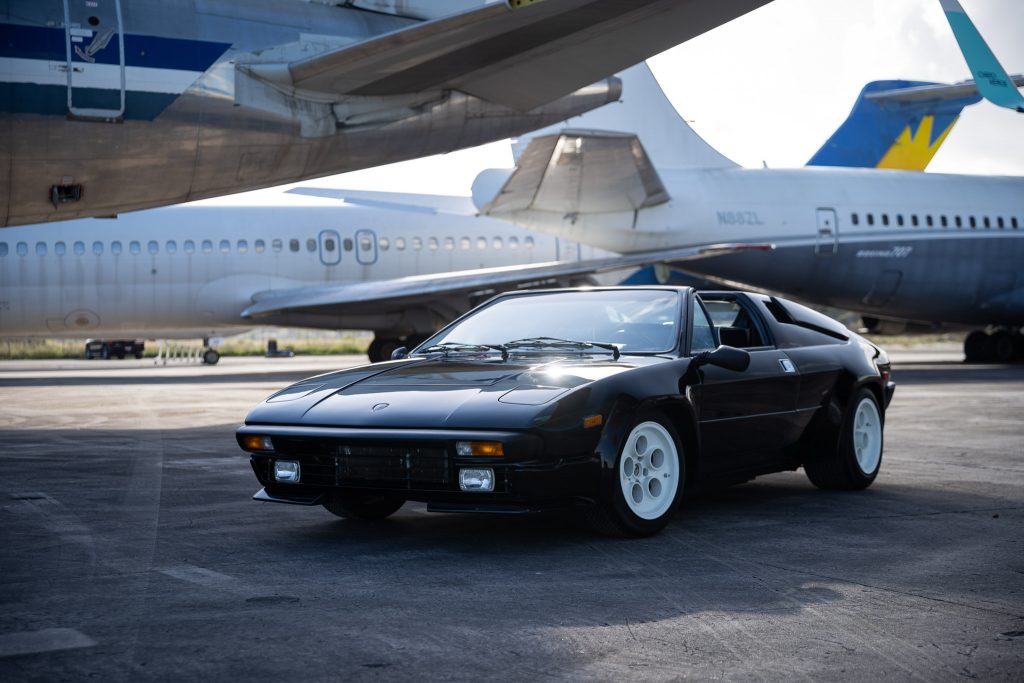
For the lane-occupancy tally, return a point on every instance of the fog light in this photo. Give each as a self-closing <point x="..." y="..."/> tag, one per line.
<point x="287" y="471"/>
<point x="484" y="448"/>
<point x="252" y="442"/>
<point x="479" y="479"/>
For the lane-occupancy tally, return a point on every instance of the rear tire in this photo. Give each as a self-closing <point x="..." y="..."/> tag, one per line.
<point x="1003" y="348"/>
<point x="363" y="506"/>
<point x="977" y="347"/>
<point x="648" y="481"/>
<point x="856" y="457"/>
<point x="210" y="357"/>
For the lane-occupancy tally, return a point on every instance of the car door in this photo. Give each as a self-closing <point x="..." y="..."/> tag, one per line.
<point x="745" y="418"/>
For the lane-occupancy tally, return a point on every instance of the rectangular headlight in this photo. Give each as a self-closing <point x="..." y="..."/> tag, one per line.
<point x="254" y="442"/>
<point x="476" y="479"/>
<point x="479" y="448"/>
<point x="287" y="471"/>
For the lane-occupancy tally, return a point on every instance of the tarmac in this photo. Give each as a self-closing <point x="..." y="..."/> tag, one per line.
<point x="132" y="551"/>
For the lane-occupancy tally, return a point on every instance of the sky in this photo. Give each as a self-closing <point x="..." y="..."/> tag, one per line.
<point x="771" y="87"/>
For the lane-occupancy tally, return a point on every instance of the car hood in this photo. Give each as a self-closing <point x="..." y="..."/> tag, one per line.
<point x="438" y="392"/>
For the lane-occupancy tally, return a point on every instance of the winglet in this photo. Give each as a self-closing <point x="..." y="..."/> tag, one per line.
<point x="993" y="82"/>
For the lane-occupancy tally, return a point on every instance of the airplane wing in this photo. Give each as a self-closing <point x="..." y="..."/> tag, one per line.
<point x="993" y="83"/>
<point x="517" y="53"/>
<point x="384" y="296"/>
<point x="581" y="172"/>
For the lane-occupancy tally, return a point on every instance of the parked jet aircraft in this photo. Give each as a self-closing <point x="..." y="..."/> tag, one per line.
<point x="108" y="106"/>
<point x="888" y="244"/>
<point x="994" y="84"/>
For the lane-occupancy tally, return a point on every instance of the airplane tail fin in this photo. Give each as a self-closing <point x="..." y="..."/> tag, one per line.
<point x="897" y="125"/>
<point x="645" y="111"/>
<point x="994" y="84"/>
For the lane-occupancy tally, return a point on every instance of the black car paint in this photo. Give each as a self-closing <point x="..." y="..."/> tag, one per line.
<point x="734" y="425"/>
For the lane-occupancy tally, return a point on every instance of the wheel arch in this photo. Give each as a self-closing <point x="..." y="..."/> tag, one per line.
<point x="684" y="419"/>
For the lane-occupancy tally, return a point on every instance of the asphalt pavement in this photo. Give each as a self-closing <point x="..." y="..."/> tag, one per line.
<point x="132" y="551"/>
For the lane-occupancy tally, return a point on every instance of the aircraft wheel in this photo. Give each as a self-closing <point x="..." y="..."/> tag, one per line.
<point x="373" y="350"/>
<point x="1003" y="348"/>
<point x="977" y="347"/>
<point x="210" y="357"/>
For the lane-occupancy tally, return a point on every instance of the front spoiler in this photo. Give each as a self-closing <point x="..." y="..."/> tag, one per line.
<point x="299" y="499"/>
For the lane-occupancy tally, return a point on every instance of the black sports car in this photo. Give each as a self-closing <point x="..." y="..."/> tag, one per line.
<point x="617" y="400"/>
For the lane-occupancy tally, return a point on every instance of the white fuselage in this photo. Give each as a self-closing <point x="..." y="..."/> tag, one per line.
<point x="918" y="246"/>
<point x="190" y="271"/>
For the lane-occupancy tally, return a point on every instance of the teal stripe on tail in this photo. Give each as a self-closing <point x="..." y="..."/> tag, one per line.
<point x="993" y="82"/>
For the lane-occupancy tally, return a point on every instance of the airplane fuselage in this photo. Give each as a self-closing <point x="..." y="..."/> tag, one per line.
<point x="923" y="247"/>
<point x="190" y="271"/>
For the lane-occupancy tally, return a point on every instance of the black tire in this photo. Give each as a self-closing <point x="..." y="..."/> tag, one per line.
<point x="1003" y="348"/>
<point x="138" y="355"/>
<point x="977" y="347"/>
<point x="365" y="506"/>
<point x="373" y="350"/>
<point x="613" y="514"/>
<point x="210" y="357"/>
<point x="841" y="468"/>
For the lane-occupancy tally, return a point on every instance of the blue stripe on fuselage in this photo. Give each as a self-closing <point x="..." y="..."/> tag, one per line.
<point x="52" y="100"/>
<point x="22" y="41"/>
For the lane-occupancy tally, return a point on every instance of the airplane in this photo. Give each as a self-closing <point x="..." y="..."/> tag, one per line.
<point x="889" y="244"/>
<point x="109" y="106"/>
<point x="205" y="270"/>
<point x="994" y="84"/>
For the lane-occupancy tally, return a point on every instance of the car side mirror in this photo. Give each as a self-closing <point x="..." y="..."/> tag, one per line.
<point x="399" y="353"/>
<point x="726" y="357"/>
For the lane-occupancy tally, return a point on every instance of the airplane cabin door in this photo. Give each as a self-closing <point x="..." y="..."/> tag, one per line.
<point x="330" y="247"/>
<point x="94" y="37"/>
<point x="827" y="240"/>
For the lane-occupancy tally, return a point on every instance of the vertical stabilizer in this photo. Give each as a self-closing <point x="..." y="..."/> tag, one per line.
<point x="646" y="111"/>
<point x="993" y="82"/>
<point x="896" y="125"/>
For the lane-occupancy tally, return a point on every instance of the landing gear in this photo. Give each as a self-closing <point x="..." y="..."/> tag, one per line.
<point x="210" y="357"/>
<point x="384" y="344"/>
<point x="998" y="346"/>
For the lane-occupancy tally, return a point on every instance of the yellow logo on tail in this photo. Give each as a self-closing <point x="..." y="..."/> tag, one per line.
<point x="913" y="152"/>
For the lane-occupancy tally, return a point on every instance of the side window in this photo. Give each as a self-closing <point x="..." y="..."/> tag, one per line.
<point x="152" y="247"/>
<point x="79" y="248"/>
<point x="242" y="246"/>
<point x="59" y="249"/>
<point x="310" y="244"/>
<point x="171" y="247"/>
<point x="735" y="324"/>
<point x="97" y="247"/>
<point x="260" y="246"/>
<point x="225" y="246"/>
<point x="190" y="246"/>
<point x="3" y="248"/>
<point x="293" y="244"/>
<point x="134" y="247"/>
<point x="115" y="247"/>
<point x="276" y="245"/>
<point x="703" y="338"/>
<point x="40" y="248"/>
<point x="207" y="246"/>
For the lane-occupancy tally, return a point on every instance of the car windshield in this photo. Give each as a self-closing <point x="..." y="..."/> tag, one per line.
<point x="635" y="321"/>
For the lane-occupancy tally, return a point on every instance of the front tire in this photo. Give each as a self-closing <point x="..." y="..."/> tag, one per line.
<point x="363" y="506"/>
<point x="649" y="476"/>
<point x="857" y="456"/>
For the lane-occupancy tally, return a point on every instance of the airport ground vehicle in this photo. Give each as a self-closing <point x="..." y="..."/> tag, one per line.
<point x="114" y="348"/>
<point x="503" y="411"/>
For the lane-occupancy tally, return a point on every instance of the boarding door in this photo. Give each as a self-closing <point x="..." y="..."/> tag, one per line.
<point x="95" y="59"/>
<point x="827" y="242"/>
<point x="330" y="247"/>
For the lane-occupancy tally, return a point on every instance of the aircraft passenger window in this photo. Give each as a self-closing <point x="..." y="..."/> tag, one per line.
<point x="913" y="220"/>
<point x="1013" y="222"/>
<point x="703" y="337"/>
<point x="79" y="248"/>
<point x="260" y="246"/>
<point x="58" y="249"/>
<point x="3" y="248"/>
<point x="225" y="246"/>
<point x="999" y="222"/>
<point x="959" y="223"/>
<point x="985" y="222"/>
<point x="243" y="246"/>
<point x="347" y="244"/>
<point x="465" y="243"/>
<point x="481" y="242"/>
<point x="134" y="247"/>
<point x="885" y="219"/>
<point x="171" y="247"/>
<point x="928" y="220"/>
<point x="293" y="244"/>
<point x="943" y="221"/>
<point x="384" y="243"/>
<point x="417" y="243"/>
<point x="432" y="242"/>
<point x="22" y="249"/>
<point x="276" y="245"/>
<point x="400" y="243"/>
<point x="854" y="218"/>
<point x="496" y="243"/>
<point x="152" y="247"/>
<point x="329" y="244"/>
<point x="310" y="244"/>
<point x="40" y="248"/>
<point x="97" y="248"/>
<point x="449" y="243"/>
<point x="115" y="247"/>
<point x="513" y="242"/>
<point x="207" y="246"/>
<point x="871" y="219"/>
<point x="899" y="219"/>
<point x="189" y="246"/>
<point x="528" y="243"/>
<point x="973" y="222"/>
<point x="366" y="244"/>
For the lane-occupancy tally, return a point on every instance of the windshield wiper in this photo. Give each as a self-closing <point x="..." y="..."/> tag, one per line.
<point x="556" y="343"/>
<point x="448" y="347"/>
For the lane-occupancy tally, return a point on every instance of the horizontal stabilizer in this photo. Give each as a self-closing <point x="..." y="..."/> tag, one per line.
<point x="520" y="55"/>
<point x="395" y="295"/>
<point x="935" y="92"/>
<point x="580" y="172"/>
<point x="993" y="82"/>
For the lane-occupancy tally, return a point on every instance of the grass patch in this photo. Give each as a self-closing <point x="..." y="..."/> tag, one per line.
<point x="49" y="349"/>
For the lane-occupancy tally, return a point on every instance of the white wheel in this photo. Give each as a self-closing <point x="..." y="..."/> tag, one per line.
<point x="649" y="471"/>
<point x="867" y="436"/>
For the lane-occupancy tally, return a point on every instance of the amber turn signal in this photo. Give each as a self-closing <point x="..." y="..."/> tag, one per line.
<point x="592" y="421"/>
<point x="480" y="448"/>
<point x="252" y="442"/>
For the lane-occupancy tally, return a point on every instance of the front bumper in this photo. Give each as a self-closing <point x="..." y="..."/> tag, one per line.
<point x="422" y="465"/>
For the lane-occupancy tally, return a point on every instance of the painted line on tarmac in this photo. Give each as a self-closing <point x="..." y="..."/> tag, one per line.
<point x="46" y="640"/>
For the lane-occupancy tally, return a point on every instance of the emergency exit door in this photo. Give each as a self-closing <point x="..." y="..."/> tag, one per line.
<point x="95" y="59"/>
<point x="827" y="241"/>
